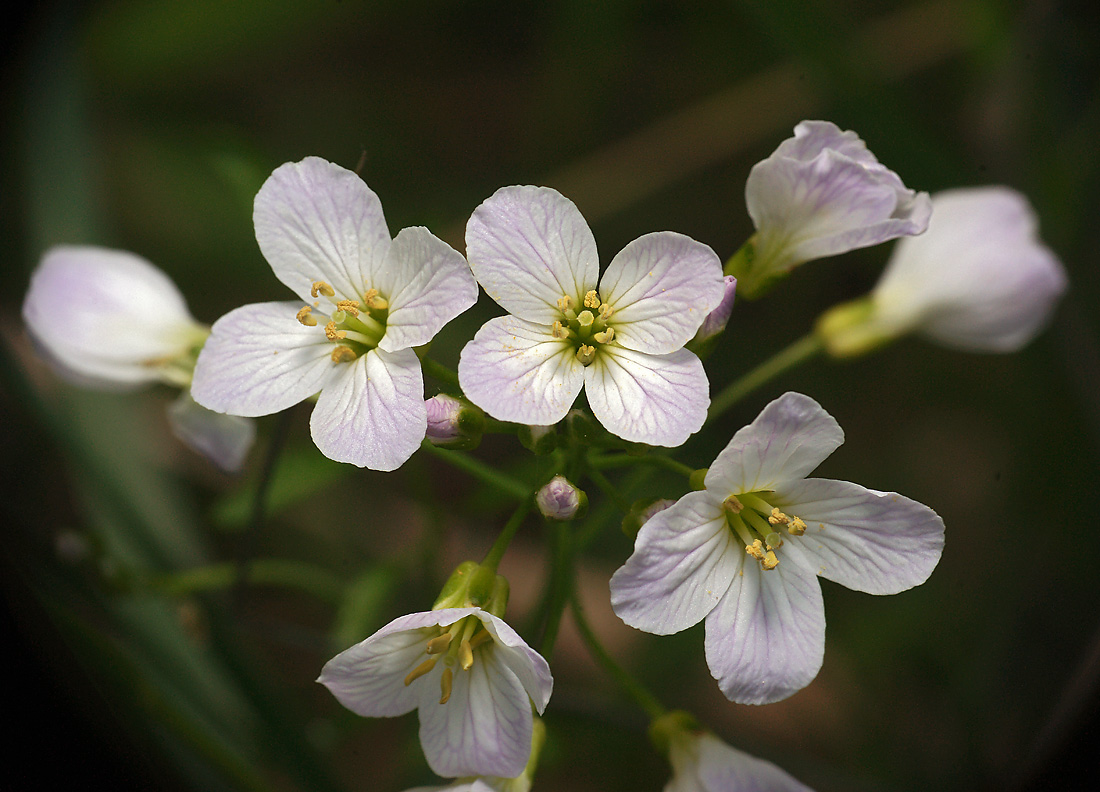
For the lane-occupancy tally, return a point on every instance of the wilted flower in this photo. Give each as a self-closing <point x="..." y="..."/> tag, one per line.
<point x="977" y="279"/>
<point x="745" y="553"/>
<point x="819" y="194"/>
<point x="622" y="341"/>
<point x="323" y="232"/>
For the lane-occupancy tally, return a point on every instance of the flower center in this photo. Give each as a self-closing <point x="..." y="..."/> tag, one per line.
<point x="760" y="526"/>
<point x="354" y="326"/>
<point x="587" y="329"/>
<point x="450" y="644"/>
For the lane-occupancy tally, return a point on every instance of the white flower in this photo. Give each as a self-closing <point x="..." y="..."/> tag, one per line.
<point x="622" y="341"/>
<point x="977" y="279"/>
<point x="822" y="193"/>
<point x="110" y="318"/>
<point x="470" y="675"/>
<point x="744" y="554"/>
<point x="703" y="763"/>
<point x="368" y="301"/>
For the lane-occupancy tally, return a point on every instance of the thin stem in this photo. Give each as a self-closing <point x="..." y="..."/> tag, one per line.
<point x="604" y="461"/>
<point x="479" y="470"/>
<point x="438" y="371"/>
<point x="633" y="688"/>
<point x="561" y="585"/>
<point x="800" y="351"/>
<point x="496" y="552"/>
<point x="309" y="578"/>
<point x="609" y="489"/>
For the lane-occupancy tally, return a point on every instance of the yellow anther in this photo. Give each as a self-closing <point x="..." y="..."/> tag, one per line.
<point x="439" y="644"/>
<point x="349" y="307"/>
<point x="306" y="318"/>
<point x="445" y="685"/>
<point x="756" y="550"/>
<point x="374" y="301"/>
<point x="605" y="312"/>
<point x="733" y="505"/>
<point x="332" y="334"/>
<point x="565" y="303"/>
<point x="586" y="354"/>
<point x="420" y="670"/>
<point x="321" y="288"/>
<point x="559" y="330"/>
<point x="796" y="526"/>
<point x="769" y="561"/>
<point x="343" y="354"/>
<point x="605" y="336"/>
<point x="480" y="638"/>
<point x="585" y="318"/>
<point x="465" y="656"/>
<point x="592" y="300"/>
<point x="778" y="518"/>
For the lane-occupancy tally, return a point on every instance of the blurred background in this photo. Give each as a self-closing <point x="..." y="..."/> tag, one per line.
<point x="149" y="125"/>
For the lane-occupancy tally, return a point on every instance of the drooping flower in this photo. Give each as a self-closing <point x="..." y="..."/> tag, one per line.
<point x="521" y="783"/>
<point x="819" y="194"/>
<point x="621" y="339"/>
<point x="223" y="439"/>
<point x="744" y="554"/>
<point x="368" y="300"/>
<point x="470" y="676"/>
<point x="977" y="279"/>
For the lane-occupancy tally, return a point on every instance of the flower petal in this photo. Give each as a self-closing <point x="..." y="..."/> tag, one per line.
<point x="723" y="768"/>
<point x="766" y="639"/>
<point x="662" y="286"/>
<point x="790" y="437"/>
<point x="530" y="668"/>
<point x="317" y="221"/>
<point x="656" y="399"/>
<point x="530" y="246"/>
<point x="484" y="728"/>
<point x="516" y="371"/>
<point x="259" y="360"/>
<point x="223" y="439"/>
<point x="372" y="415"/>
<point x="428" y="283"/>
<point x="878" y="542"/>
<point x="684" y="559"/>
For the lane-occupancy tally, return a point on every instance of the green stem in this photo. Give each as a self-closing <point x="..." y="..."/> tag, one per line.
<point x="561" y="585"/>
<point x="308" y="578"/>
<point x="604" y="461"/>
<point x="609" y="489"/>
<point x="800" y="351"/>
<point x="633" y="688"/>
<point x="496" y="552"/>
<point x="480" y="470"/>
<point x="438" y="371"/>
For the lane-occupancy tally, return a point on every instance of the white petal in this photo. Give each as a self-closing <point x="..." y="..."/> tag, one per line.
<point x="317" y="221"/>
<point x="372" y="415"/>
<point x="107" y="315"/>
<point x="428" y="283"/>
<point x="878" y="542"/>
<point x="656" y="399"/>
<point x="684" y="559"/>
<point x="530" y="246"/>
<point x="484" y="728"/>
<point x="790" y="437"/>
<point x="223" y="439"/>
<point x="259" y="360"/>
<point x="530" y="668"/>
<point x="661" y="286"/>
<point x="516" y="371"/>
<point x="766" y="639"/>
<point x="722" y="768"/>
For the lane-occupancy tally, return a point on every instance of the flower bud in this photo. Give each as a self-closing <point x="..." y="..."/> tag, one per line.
<point x="716" y="321"/>
<point x="539" y="440"/>
<point x="640" y="512"/>
<point x="560" y="500"/>
<point x="454" y="423"/>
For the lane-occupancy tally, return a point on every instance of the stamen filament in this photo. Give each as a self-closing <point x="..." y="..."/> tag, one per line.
<point x="439" y="644"/>
<point x="445" y="685"/>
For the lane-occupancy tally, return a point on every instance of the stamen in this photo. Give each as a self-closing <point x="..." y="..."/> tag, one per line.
<point x="445" y="685"/>
<point x="565" y="303"/>
<point x="439" y="644"/>
<point x="350" y="307"/>
<point x="778" y="518"/>
<point x="321" y="288"/>
<point x="304" y="316"/>
<point x="605" y="336"/>
<point x="586" y="354"/>
<point x="332" y="334"/>
<point x="480" y="638"/>
<point x="374" y="302"/>
<point x="756" y="550"/>
<point x="605" y="312"/>
<point x="343" y="354"/>
<point x="770" y="561"/>
<point x="733" y="505"/>
<point x="560" y="331"/>
<point x="796" y="526"/>
<point x="592" y="300"/>
<point x="465" y="656"/>
<point x="420" y="670"/>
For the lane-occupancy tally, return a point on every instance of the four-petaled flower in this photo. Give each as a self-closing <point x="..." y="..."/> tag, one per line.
<point x="368" y="301"/>
<point x="744" y="553"/>
<point x="532" y="251"/>
<point x="819" y="194"/>
<point x="470" y="675"/>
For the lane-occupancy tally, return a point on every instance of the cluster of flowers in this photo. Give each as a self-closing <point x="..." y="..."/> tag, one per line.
<point x="742" y="552"/>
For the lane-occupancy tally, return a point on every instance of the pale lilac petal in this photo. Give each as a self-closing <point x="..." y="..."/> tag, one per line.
<point x="529" y="666"/>
<point x="720" y="768"/>
<point x="484" y="728"/>
<point x="106" y="315"/>
<point x="716" y="321"/>
<point x="685" y="558"/>
<point x="766" y="639"/>
<point x="223" y="439"/>
<point x="790" y="437"/>
<point x="878" y="542"/>
<point x="372" y="415"/>
<point x="317" y="221"/>
<point x="516" y="371"/>
<point x="661" y="286"/>
<point x="530" y="246"/>
<point x="260" y="359"/>
<point x="427" y="283"/>
<point x="655" y="399"/>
